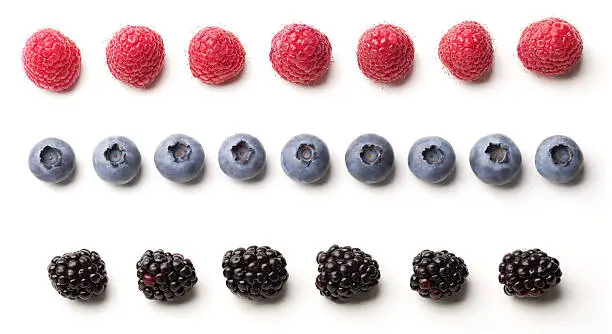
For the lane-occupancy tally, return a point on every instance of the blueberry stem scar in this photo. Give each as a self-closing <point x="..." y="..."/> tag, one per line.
<point x="371" y="154"/>
<point x="306" y="153"/>
<point x="50" y="157"/>
<point x="561" y="155"/>
<point x="242" y="152"/>
<point x="180" y="151"/>
<point x="433" y="155"/>
<point x="498" y="153"/>
<point x="115" y="155"/>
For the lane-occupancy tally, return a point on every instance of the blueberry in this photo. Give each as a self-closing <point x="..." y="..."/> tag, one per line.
<point x="52" y="160"/>
<point x="179" y="158"/>
<point x="369" y="158"/>
<point x="559" y="159"/>
<point x="305" y="158"/>
<point x="431" y="159"/>
<point x="116" y="160"/>
<point x="242" y="157"/>
<point x="495" y="159"/>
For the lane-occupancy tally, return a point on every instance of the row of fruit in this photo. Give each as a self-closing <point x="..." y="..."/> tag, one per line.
<point x="259" y="273"/>
<point x="300" y="54"/>
<point x="495" y="159"/>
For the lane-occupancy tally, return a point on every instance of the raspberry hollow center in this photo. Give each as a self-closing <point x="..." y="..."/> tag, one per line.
<point x="561" y="155"/>
<point x="115" y="155"/>
<point x="371" y="154"/>
<point x="306" y="153"/>
<point x="498" y="153"/>
<point x="433" y="155"/>
<point x="180" y="151"/>
<point x="50" y="157"/>
<point x="242" y="152"/>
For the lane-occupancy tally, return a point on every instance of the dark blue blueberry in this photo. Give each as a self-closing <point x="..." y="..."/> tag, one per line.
<point x="559" y="159"/>
<point x="431" y="159"/>
<point x="305" y="158"/>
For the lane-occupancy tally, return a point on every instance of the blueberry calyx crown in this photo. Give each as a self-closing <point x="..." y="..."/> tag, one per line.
<point x="242" y="152"/>
<point x="180" y="151"/>
<point x="371" y="154"/>
<point x="306" y="153"/>
<point x="498" y="153"/>
<point x="115" y="155"/>
<point x="433" y="155"/>
<point x="561" y="155"/>
<point x="50" y="157"/>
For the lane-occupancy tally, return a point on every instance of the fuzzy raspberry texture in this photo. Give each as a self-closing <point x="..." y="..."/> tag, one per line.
<point x="300" y="54"/>
<point x="216" y="56"/>
<point x="135" y="55"/>
<point x="51" y="60"/>
<point x="550" y="47"/>
<point x="467" y="51"/>
<point x="385" y="53"/>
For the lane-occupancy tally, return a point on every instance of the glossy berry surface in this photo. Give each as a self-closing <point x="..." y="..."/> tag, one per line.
<point x="116" y="160"/>
<point x="559" y="159"/>
<point x="305" y="158"/>
<point x="300" y="54"/>
<point x="52" y="160"/>
<point x="216" y="56"/>
<point x="165" y="276"/>
<point x="385" y="53"/>
<point x="135" y="55"/>
<point x="431" y="159"/>
<point x="255" y="272"/>
<point x="550" y="47"/>
<point x="51" y="60"/>
<point x="495" y="159"/>
<point x="466" y="50"/>
<point x="78" y="275"/>
<point x="438" y="274"/>
<point x="370" y="158"/>
<point x="242" y="157"/>
<point x="179" y="158"/>
<point x="346" y="272"/>
<point x="529" y="273"/>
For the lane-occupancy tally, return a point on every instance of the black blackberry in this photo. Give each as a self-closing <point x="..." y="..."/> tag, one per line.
<point x="255" y="272"/>
<point x="345" y="272"/>
<point x="438" y="274"/>
<point x="528" y="273"/>
<point x="78" y="275"/>
<point x="165" y="276"/>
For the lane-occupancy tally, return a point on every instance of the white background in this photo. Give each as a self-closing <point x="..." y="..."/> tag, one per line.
<point x="393" y="223"/>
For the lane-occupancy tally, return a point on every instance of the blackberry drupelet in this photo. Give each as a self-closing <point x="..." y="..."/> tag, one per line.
<point x="255" y="272"/>
<point x="438" y="274"/>
<point x="78" y="275"/>
<point x="165" y="276"/>
<point x="345" y="272"/>
<point x="528" y="273"/>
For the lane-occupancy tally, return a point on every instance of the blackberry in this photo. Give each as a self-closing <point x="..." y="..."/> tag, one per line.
<point x="78" y="275"/>
<point x="438" y="274"/>
<point x="165" y="276"/>
<point x="345" y="272"/>
<point x="528" y="273"/>
<point x="255" y="272"/>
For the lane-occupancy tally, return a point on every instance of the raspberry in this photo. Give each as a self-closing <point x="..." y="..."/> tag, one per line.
<point x="300" y="54"/>
<point x="467" y="51"/>
<point x="51" y="60"/>
<point x="135" y="55"/>
<point x="385" y="53"/>
<point x="550" y="47"/>
<point x="215" y="56"/>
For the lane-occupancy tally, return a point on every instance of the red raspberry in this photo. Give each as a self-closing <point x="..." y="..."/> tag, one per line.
<point x="51" y="60"/>
<point x="385" y="53"/>
<point x="467" y="51"/>
<point x="135" y="55"/>
<point x="550" y="47"/>
<point x="215" y="56"/>
<point x="300" y="54"/>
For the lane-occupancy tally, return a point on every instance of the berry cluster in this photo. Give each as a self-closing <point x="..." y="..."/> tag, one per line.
<point x="495" y="159"/>
<point x="300" y="54"/>
<point x="260" y="272"/>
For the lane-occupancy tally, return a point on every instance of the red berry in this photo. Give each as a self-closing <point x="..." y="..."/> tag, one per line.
<point x="215" y="56"/>
<point x="550" y="47"/>
<point x="300" y="54"/>
<point x="385" y="53"/>
<point x="135" y="55"/>
<point x="467" y="51"/>
<point x="51" y="60"/>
